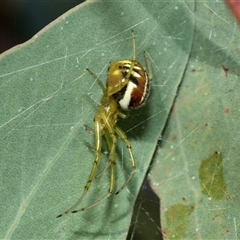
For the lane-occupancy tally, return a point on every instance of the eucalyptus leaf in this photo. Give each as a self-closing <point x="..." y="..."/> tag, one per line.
<point x="47" y="97"/>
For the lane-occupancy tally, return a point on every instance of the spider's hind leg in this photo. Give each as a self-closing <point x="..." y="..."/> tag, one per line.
<point x="111" y="141"/>
<point x="123" y="137"/>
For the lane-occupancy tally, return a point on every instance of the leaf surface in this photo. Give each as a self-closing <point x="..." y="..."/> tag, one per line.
<point x="46" y="99"/>
<point x="196" y="170"/>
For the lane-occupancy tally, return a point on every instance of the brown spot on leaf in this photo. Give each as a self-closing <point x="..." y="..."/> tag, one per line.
<point x="225" y="69"/>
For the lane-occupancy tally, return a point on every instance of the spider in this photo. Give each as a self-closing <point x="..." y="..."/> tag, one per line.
<point x="127" y="88"/>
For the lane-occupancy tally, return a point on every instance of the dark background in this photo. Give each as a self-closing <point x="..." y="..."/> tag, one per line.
<point x="21" y="19"/>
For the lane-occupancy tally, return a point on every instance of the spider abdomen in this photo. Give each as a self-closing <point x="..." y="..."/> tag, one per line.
<point x="129" y="84"/>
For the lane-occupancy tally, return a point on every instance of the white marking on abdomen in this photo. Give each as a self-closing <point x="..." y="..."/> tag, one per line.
<point x="135" y="74"/>
<point x="125" y="101"/>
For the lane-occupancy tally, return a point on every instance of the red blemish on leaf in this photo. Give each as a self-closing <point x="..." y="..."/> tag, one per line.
<point x="234" y="6"/>
<point x="164" y="233"/>
<point x="226" y="110"/>
<point x="225" y="69"/>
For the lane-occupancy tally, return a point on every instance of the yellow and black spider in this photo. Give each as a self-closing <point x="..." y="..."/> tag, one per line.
<point x="127" y="88"/>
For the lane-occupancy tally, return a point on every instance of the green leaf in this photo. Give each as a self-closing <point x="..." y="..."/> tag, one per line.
<point x="197" y="165"/>
<point x="46" y="99"/>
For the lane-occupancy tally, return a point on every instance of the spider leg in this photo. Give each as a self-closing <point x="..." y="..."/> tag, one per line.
<point x="123" y="136"/>
<point x="123" y="115"/>
<point x="109" y="142"/>
<point x="134" y="46"/>
<point x="98" y="81"/>
<point x="149" y="69"/>
<point x="109" y="134"/>
<point x="108" y="139"/>
<point x="98" y="137"/>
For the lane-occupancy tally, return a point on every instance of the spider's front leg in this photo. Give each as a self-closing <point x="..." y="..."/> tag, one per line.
<point x="97" y="79"/>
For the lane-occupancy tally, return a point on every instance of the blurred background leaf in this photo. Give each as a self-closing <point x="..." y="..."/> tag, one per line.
<point x="196" y="169"/>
